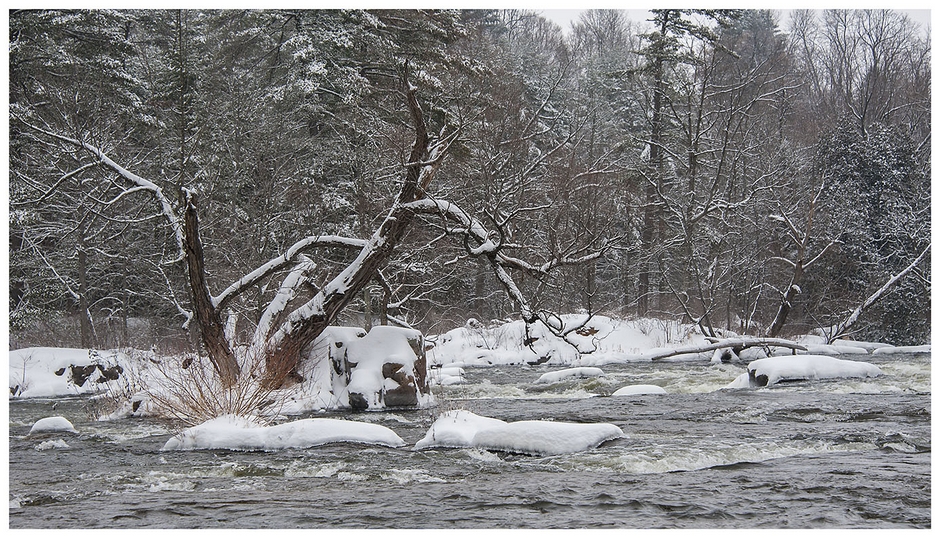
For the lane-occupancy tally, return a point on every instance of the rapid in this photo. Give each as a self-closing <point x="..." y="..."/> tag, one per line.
<point x="843" y="453"/>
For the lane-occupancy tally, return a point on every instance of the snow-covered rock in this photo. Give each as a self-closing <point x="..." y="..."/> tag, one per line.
<point x="385" y="367"/>
<point x="52" y="424"/>
<point x="462" y="429"/>
<point x="558" y="375"/>
<point x="239" y="433"/>
<point x="632" y="390"/>
<point x="766" y="372"/>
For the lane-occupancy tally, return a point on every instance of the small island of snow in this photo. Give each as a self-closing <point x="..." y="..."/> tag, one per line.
<point x="766" y="372"/>
<point x="462" y="429"/>
<point x="239" y="433"/>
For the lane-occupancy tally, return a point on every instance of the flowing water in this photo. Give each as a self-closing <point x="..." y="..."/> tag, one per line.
<point x="823" y="454"/>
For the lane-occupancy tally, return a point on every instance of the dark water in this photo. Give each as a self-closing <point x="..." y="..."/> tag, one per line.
<point x="834" y="454"/>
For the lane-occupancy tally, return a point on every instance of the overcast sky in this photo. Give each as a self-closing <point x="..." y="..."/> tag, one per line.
<point x="564" y="17"/>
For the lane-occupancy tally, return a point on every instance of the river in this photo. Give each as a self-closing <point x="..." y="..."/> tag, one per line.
<point x="823" y="454"/>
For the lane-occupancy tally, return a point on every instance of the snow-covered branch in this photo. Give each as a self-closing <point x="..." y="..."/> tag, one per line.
<point x="139" y="183"/>
<point x="323" y="241"/>
<point x="843" y="327"/>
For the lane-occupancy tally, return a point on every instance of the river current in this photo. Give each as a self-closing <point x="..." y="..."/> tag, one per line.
<point x="822" y="454"/>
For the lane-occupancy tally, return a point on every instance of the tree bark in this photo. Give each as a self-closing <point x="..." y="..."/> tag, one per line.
<point x="211" y="326"/>
<point x="786" y="304"/>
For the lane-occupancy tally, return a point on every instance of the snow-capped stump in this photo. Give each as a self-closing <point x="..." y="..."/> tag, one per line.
<point x="385" y="367"/>
<point x="239" y="433"/>
<point x="766" y="372"/>
<point x="634" y="390"/>
<point x="462" y="429"/>
<point x="52" y="424"/>
<point x="558" y="375"/>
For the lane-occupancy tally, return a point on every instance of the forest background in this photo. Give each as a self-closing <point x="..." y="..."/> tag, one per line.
<point x="724" y="167"/>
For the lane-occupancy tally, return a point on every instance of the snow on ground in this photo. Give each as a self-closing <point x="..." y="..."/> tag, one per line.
<point x="42" y="372"/>
<point x="766" y="372"/>
<point x="632" y="390"/>
<point x="462" y="429"/>
<point x="558" y="375"/>
<point x="239" y="433"/>
<point x="52" y="424"/>
<point x="598" y="341"/>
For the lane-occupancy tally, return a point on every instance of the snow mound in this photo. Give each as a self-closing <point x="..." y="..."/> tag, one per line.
<point x="239" y="433"/>
<point x="583" y="371"/>
<point x="455" y="429"/>
<point x="766" y="372"/>
<point x="462" y="429"/>
<point x="631" y="390"/>
<point x="591" y="341"/>
<point x="52" y="424"/>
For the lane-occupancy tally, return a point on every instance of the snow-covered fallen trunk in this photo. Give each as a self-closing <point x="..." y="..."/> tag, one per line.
<point x="558" y="375"/>
<point x="766" y="372"/>
<point x="462" y="429"/>
<point x="239" y="433"/>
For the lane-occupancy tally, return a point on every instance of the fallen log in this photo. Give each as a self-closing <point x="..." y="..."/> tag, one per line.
<point x="737" y="344"/>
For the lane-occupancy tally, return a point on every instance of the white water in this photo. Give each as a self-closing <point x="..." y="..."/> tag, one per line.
<point x="842" y="453"/>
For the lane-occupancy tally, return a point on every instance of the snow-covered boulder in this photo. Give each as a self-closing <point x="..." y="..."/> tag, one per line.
<point x="238" y="433"/>
<point x="558" y="375"/>
<point x="766" y="372"/>
<point x="385" y="367"/>
<point x="633" y="390"/>
<point x="52" y="425"/>
<point x="462" y="429"/>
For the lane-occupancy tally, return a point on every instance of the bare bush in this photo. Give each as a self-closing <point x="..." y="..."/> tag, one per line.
<point x="188" y="390"/>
